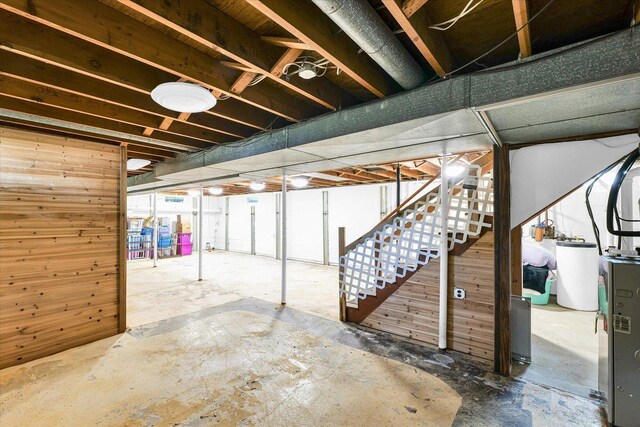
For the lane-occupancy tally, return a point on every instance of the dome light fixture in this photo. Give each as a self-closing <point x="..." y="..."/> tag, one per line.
<point x="299" y="182"/>
<point x="135" y="164"/>
<point x="257" y="186"/>
<point x="308" y="71"/>
<point x="216" y="191"/>
<point x="454" y="170"/>
<point x="193" y="192"/>
<point x="183" y="97"/>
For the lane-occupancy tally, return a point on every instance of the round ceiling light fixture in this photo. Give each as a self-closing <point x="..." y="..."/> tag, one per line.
<point x="183" y="97"/>
<point x="135" y="164"/>
<point x="193" y="192"/>
<point x="455" y="170"/>
<point x="299" y="182"/>
<point x="257" y="186"/>
<point x="307" y="71"/>
<point x="216" y="191"/>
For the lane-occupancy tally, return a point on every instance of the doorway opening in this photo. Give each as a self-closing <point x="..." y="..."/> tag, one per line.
<point x="560" y="295"/>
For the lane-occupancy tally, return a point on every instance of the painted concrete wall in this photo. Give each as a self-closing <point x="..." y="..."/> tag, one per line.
<point x="570" y="215"/>
<point x="356" y="208"/>
<point x="541" y="174"/>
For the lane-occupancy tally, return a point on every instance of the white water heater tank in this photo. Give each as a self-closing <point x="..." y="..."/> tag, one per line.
<point x="577" y="275"/>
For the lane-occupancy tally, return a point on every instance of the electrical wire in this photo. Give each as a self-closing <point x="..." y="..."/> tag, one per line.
<point x="502" y="42"/>
<point x="453" y="21"/>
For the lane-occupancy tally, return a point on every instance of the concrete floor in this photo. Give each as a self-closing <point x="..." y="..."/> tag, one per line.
<point x="223" y="352"/>
<point x="564" y="349"/>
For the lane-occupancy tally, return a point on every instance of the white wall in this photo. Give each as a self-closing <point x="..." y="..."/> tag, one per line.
<point x="357" y="208"/>
<point x="570" y="216"/>
<point x="541" y="174"/>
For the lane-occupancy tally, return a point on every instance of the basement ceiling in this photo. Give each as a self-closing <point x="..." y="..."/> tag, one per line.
<point x="87" y="68"/>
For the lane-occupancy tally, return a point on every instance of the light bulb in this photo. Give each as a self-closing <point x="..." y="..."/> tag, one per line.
<point x="455" y="170"/>
<point x="257" y="186"/>
<point x="299" y="182"/>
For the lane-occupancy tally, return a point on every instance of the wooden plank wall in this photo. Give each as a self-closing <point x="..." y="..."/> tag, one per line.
<point x="61" y="260"/>
<point x="412" y="311"/>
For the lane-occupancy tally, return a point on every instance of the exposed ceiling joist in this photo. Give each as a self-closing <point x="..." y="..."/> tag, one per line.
<point x="29" y="70"/>
<point x="306" y="22"/>
<point x="137" y="148"/>
<point x="289" y="56"/>
<point x="429" y="42"/>
<point x="46" y="45"/>
<point x="409" y="7"/>
<point x="140" y="42"/>
<point x="286" y="42"/>
<point x="225" y="35"/>
<point x="42" y="110"/>
<point x="54" y="97"/>
<point x="521" y="14"/>
<point x="243" y="81"/>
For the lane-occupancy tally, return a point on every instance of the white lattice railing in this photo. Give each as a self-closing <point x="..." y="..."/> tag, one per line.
<point x="414" y="236"/>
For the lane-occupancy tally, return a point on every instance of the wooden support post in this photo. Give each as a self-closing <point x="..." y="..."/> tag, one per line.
<point x="341" y="252"/>
<point x="122" y="243"/>
<point x="502" y="255"/>
<point x="516" y="261"/>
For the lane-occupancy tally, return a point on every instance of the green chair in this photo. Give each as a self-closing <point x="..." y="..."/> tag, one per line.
<point x="542" y="299"/>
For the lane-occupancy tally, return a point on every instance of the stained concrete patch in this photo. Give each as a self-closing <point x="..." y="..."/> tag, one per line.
<point x="231" y="368"/>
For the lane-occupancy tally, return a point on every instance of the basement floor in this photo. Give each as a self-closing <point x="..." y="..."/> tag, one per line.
<point x="564" y="349"/>
<point x="223" y="351"/>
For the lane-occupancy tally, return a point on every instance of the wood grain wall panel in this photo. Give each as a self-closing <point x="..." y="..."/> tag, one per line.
<point x="60" y="236"/>
<point x="412" y="311"/>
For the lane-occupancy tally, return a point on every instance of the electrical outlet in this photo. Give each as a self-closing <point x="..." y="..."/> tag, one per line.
<point x="459" y="293"/>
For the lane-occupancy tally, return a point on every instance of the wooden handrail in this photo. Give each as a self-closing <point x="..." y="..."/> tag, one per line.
<point x="398" y="209"/>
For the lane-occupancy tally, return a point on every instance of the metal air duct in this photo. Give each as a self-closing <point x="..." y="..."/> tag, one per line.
<point x="361" y="23"/>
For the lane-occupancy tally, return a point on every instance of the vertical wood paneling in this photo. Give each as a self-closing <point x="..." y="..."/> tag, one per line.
<point x="61" y="267"/>
<point x="412" y="311"/>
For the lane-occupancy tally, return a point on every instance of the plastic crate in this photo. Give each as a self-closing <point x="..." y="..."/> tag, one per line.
<point x="184" y="238"/>
<point x="185" y="249"/>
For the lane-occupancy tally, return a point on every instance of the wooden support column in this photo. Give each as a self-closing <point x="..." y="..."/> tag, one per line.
<point x="341" y="251"/>
<point x="502" y="259"/>
<point x="516" y="261"/>
<point x="122" y="242"/>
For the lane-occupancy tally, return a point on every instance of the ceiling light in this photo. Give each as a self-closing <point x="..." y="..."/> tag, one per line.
<point x="299" y="182"/>
<point x="135" y="164"/>
<point x="193" y="192"/>
<point x="455" y="170"/>
<point x="257" y="186"/>
<point x="183" y="97"/>
<point x="307" y="71"/>
<point x="216" y="191"/>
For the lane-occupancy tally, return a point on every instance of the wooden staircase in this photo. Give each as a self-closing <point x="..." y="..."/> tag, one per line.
<point x="374" y="266"/>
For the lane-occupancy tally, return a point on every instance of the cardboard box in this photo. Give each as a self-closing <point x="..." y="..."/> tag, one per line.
<point x="184" y="219"/>
<point x="183" y="227"/>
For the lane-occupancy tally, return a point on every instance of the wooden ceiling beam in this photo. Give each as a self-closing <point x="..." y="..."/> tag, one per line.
<point x="306" y="22"/>
<point x="132" y="146"/>
<point x="429" y="42"/>
<point x="286" y="42"/>
<point x="94" y="22"/>
<point x="58" y="98"/>
<point x="428" y="168"/>
<point x="227" y="36"/>
<point x="42" y="110"/>
<point x="409" y="7"/>
<point x="289" y="56"/>
<point x="521" y="14"/>
<point x="243" y="81"/>
<point x="49" y="46"/>
<point x="30" y="70"/>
